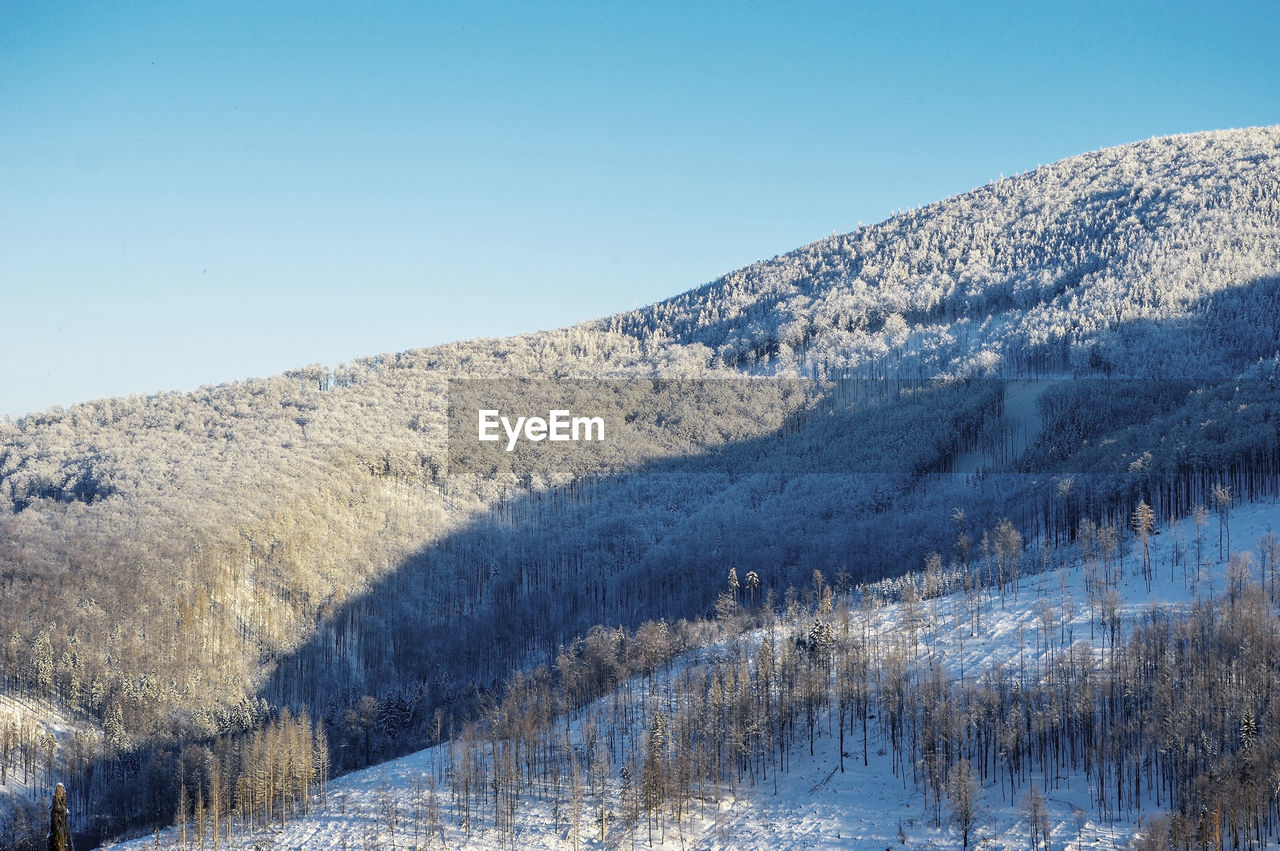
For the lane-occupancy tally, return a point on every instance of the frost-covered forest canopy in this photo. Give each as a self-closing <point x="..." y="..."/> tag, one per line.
<point x="182" y="567"/>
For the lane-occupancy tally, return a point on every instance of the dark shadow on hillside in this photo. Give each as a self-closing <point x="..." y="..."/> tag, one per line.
<point x="656" y="541"/>
<point x="447" y="627"/>
<point x="508" y="591"/>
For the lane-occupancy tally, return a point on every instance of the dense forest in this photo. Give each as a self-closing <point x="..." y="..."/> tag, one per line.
<point x="630" y="736"/>
<point x="184" y="571"/>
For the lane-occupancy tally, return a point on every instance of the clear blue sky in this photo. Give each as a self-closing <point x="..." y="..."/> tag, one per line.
<point x="195" y="193"/>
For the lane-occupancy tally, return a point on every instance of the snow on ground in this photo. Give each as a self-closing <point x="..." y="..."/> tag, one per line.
<point x="28" y="713"/>
<point x="813" y="805"/>
<point x="1021" y="417"/>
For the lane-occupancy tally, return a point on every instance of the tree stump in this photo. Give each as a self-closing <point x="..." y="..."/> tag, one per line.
<point x="59" y="832"/>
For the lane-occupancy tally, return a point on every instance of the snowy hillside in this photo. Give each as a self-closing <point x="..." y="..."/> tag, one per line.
<point x="208" y="578"/>
<point x="1102" y="261"/>
<point x="811" y="801"/>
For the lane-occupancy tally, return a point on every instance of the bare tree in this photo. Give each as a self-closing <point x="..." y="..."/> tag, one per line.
<point x="1143" y="522"/>
<point x="1222" y="505"/>
<point x="1200" y="515"/>
<point x="1037" y="818"/>
<point x="963" y="799"/>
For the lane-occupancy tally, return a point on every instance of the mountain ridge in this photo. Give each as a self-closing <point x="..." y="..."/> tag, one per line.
<point x="1246" y="160"/>
<point x="1251" y="143"/>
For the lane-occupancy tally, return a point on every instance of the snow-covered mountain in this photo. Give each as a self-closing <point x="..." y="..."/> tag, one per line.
<point x="179" y="569"/>
<point x="1154" y="258"/>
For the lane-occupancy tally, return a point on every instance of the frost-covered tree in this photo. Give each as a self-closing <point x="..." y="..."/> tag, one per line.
<point x="964" y="798"/>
